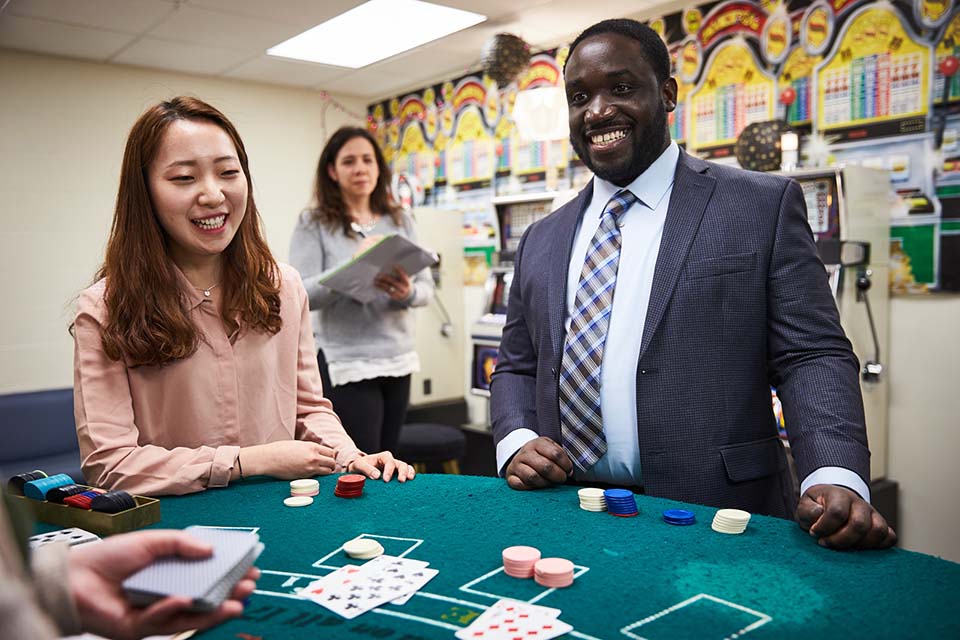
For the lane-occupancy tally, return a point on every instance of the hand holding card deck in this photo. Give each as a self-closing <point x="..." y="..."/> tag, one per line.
<point x="206" y="581"/>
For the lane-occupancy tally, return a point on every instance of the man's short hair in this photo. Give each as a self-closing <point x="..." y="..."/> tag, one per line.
<point x="654" y="50"/>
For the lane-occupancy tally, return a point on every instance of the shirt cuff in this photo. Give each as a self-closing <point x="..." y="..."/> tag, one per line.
<point x="50" y="567"/>
<point x="507" y="447"/>
<point x="222" y="466"/>
<point x="838" y="476"/>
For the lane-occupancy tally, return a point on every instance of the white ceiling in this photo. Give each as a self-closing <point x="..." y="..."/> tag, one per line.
<point x="228" y="38"/>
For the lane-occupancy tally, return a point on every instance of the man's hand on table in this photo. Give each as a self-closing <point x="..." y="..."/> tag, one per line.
<point x="97" y="571"/>
<point x="841" y="519"/>
<point x="539" y="463"/>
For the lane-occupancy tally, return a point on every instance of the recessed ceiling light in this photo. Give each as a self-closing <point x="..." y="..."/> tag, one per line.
<point x="373" y="31"/>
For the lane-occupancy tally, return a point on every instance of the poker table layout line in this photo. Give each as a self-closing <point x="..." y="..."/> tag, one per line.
<point x="637" y="578"/>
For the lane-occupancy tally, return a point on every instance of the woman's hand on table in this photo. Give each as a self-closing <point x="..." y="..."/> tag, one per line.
<point x="288" y="459"/>
<point x="375" y="465"/>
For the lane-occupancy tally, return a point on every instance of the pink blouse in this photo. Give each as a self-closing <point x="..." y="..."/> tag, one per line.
<point x="178" y="428"/>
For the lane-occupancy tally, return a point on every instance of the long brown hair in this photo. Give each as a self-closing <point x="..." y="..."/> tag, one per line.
<point x="331" y="211"/>
<point x="147" y="322"/>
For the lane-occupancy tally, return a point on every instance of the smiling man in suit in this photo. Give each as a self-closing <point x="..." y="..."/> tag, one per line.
<point x="648" y="318"/>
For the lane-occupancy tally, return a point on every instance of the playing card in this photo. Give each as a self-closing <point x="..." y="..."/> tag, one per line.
<point x="72" y="536"/>
<point x="510" y="619"/>
<point x="350" y="594"/>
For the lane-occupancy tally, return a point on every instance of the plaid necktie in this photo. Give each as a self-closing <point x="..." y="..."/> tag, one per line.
<point x="581" y="425"/>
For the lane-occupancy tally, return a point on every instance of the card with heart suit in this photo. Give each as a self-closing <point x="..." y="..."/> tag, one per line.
<point x="510" y="619"/>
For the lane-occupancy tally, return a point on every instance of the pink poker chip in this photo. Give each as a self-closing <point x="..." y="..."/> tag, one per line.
<point x="520" y="555"/>
<point x="554" y="567"/>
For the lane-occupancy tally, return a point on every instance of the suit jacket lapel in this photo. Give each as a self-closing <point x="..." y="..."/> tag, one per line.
<point x="691" y="193"/>
<point x="568" y="215"/>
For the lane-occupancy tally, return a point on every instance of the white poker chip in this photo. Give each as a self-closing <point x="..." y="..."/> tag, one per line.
<point x="363" y="548"/>
<point x="305" y="484"/>
<point x="298" y="501"/>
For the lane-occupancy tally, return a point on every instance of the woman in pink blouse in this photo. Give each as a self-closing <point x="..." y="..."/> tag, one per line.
<point x="194" y="362"/>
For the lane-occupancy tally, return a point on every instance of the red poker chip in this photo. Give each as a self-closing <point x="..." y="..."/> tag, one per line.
<point x="625" y="515"/>
<point x="352" y="478"/>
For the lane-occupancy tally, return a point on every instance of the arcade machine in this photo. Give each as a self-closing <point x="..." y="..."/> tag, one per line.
<point x="848" y="209"/>
<point x="514" y="214"/>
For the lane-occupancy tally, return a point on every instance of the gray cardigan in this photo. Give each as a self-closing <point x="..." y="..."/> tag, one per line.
<point x="344" y="328"/>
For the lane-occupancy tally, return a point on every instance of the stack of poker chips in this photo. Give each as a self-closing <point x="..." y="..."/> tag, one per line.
<point x="349" y="486"/>
<point x="112" y="502"/>
<point x="679" y="517"/>
<point x="621" y="502"/>
<point x="16" y="483"/>
<point x="519" y="561"/>
<point x="592" y="499"/>
<point x="58" y="494"/>
<point x="83" y="500"/>
<point x="732" y="521"/>
<point x="363" y="548"/>
<point x="302" y="492"/>
<point x="37" y="489"/>
<point x="553" y="572"/>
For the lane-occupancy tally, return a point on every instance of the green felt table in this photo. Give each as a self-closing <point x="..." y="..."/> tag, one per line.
<point x="637" y="577"/>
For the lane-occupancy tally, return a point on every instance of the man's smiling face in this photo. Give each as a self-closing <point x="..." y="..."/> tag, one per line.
<point x="617" y="107"/>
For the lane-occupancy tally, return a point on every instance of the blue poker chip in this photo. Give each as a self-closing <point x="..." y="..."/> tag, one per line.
<point x="620" y="502"/>
<point x="679" y="517"/>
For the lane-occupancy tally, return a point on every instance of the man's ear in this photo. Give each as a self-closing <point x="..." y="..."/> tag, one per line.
<point x="669" y="92"/>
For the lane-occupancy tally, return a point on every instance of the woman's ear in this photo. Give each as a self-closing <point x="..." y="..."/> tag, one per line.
<point x="331" y="172"/>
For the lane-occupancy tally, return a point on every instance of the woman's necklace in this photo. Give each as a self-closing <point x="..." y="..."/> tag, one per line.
<point x="365" y="227"/>
<point x="207" y="290"/>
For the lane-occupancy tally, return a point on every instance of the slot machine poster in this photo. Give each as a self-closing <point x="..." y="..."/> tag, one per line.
<point x="415" y="157"/>
<point x="530" y="159"/>
<point x="876" y="80"/>
<point x="734" y="92"/>
<point x="470" y="152"/>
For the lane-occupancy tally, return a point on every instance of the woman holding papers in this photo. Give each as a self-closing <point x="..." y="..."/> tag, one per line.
<point x="194" y="357"/>
<point x="366" y="349"/>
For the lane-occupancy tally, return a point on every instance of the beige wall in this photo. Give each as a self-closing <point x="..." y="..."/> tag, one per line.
<point x="63" y="125"/>
<point x="924" y="439"/>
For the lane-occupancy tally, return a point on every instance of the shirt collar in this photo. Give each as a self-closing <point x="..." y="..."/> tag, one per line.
<point x="650" y="186"/>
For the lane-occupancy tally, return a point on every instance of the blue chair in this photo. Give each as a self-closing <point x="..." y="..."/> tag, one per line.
<point x="38" y="432"/>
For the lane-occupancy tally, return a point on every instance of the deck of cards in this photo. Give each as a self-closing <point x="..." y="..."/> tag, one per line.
<point x="352" y="590"/>
<point x="511" y="619"/>
<point x="206" y="581"/>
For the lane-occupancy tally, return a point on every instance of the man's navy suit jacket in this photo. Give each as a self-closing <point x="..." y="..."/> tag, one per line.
<point x="740" y="301"/>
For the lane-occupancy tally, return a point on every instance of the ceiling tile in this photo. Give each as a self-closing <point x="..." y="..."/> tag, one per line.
<point x="179" y="56"/>
<point x="364" y="83"/>
<point x="303" y="13"/>
<point x="129" y="16"/>
<point x="215" y="29"/>
<point x="59" y="39"/>
<point x="286" y="72"/>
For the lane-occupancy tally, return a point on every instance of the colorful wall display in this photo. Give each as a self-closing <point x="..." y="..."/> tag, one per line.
<point x="850" y="70"/>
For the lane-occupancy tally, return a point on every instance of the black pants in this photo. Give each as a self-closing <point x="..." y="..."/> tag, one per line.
<point x="372" y="411"/>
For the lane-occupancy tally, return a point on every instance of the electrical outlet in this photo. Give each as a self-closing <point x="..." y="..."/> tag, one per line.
<point x="427" y="387"/>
